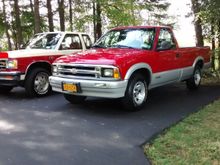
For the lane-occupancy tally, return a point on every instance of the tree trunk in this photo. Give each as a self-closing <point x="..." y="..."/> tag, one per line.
<point x="50" y="16"/>
<point x="94" y="18"/>
<point x="218" y="29"/>
<point x="71" y="15"/>
<point x="36" y="17"/>
<point x="61" y="14"/>
<point x="197" y="23"/>
<point x="6" y="27"/>
<point x="98" y="19"/>
<point x="17" y="25"/>
<point x="32" y="7"/>
<point x="132" y="12"/>
<point x="213" y="45"/>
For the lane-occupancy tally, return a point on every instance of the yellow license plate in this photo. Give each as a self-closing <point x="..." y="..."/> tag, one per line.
<point x="69" y="87"/>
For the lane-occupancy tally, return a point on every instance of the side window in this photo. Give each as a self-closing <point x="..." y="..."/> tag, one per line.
<point x="87" y="41"/>
<point x="166" y="40"/>
<point x="71" y="41"/>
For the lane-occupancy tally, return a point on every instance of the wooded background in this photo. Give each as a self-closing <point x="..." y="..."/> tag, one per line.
<point x="19" y="20"/>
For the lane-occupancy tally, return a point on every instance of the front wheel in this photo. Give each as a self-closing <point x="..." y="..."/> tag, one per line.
<point x="136" y="93"/>
<point x="5" y="89"/>
<point x="37" y="82"/>
<point x="194" y="82"/>
<point x="73" y="99"/>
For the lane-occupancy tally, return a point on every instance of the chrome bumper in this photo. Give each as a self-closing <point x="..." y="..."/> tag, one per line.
<point x="11" y="78"/>
<point x="106" y="89"/>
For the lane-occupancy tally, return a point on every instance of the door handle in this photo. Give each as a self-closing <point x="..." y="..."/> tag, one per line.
<point x="178" y="55"/>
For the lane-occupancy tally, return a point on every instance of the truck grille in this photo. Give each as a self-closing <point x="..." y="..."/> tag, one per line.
<point x="3" y="64"/>
<point x="79" y="71"/>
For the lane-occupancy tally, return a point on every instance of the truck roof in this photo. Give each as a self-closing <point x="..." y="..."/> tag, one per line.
<point x="62" y="32"/>
<point x="139" y="27"/>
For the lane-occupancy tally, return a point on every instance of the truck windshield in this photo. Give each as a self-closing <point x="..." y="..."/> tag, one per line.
<point x="44" y="41"/>
<point x="127" y="38"/>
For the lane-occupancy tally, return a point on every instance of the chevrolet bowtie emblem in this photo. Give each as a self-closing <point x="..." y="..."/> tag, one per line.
<point x="73" y="71"/>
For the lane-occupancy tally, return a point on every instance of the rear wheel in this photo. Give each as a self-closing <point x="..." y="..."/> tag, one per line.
<point x="37" y="82"/>
<point x="136" y="93"/>
<point x="73" y="99"/>
<point x="5" y="89"/>
<point x="194" y="82"/>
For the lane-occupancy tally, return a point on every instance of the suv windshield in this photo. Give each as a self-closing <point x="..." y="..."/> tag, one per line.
<point x="127" y="38"/>
<point x="44" y="41"/>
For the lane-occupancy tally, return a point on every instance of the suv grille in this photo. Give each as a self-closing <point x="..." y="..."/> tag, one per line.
<point x="3" y="64"/>
<point x="79" y="71"/>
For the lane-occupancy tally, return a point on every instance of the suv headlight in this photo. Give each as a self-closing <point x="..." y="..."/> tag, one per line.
<point x="111" y="73"/>
<point x="12" y="64"/>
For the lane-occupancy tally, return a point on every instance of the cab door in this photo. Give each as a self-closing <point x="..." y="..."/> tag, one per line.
<point x="167" y="59"/>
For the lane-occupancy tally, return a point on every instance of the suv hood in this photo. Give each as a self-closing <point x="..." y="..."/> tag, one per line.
<point x="109" y="56"/>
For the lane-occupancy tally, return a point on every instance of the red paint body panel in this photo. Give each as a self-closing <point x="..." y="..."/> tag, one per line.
<point x="3" y="55"/>
<point x="25" y="62"/>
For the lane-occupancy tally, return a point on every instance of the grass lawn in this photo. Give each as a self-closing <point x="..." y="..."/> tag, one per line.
<point x="193" y="141"/>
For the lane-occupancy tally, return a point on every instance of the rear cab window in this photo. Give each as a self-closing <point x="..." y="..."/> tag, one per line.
<point x="71" y="41"/>
<point x="166" y="40"/>
<point x="87" y="41"/>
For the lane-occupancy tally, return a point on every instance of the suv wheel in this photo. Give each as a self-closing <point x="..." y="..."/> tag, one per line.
<point x="37" y="82"/>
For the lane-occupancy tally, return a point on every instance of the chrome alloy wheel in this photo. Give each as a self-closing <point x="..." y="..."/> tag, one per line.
<point x="197" y="77"/>
<point x="41" y="83"/>
<point x="139" y="93"/>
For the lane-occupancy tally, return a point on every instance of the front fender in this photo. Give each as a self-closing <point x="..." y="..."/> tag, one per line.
<point x="136" y="67"/>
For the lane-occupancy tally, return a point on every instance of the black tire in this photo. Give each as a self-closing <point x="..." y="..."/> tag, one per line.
<point x="135" y="98"/>
<point x="73" y="99"/>
<point x="5" y="89"/>
<point x="194" y="82"/>
<point x="37" y="82"/>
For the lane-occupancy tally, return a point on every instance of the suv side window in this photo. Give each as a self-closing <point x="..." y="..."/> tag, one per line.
<point x="87" y="41"/>
<point x="166" y="40"/>
<point x="71" y="41"/>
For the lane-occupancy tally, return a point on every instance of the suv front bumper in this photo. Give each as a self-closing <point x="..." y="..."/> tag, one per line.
<point x="11" y="78"/>
<point x="94" y="88"/>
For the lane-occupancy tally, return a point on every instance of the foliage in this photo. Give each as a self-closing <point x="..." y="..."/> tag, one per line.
<point x="2" y="27"/>
<point x="210" y="15"/>
<point x="113" y="13"/>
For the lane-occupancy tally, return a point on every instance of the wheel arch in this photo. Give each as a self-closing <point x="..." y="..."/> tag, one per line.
<point x="199" y="61"/>
<point x="39" y="64"/>
<point x="142" y="68"/>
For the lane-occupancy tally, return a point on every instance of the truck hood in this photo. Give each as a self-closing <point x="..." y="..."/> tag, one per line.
<point x="28" y="53"/>
<point x="110" y="56"/>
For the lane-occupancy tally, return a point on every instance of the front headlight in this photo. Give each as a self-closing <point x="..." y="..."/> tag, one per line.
<point x="12" y="64"/>
<point x="107" y="72"/>
<point x="111" y="73"/>
<point x="54" y="69"/>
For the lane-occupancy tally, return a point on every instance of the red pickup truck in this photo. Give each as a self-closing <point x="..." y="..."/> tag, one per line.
<point x="31" y="67"/>
<point x="125" y="63"/>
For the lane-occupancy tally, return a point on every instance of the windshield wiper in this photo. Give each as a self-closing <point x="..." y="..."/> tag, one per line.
<point x="123" y="46"/>
<point x="98" y="46"/>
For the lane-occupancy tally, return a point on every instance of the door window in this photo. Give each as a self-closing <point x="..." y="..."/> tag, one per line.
<point x="71" y="41"/>
<point x="166" y="40"/>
